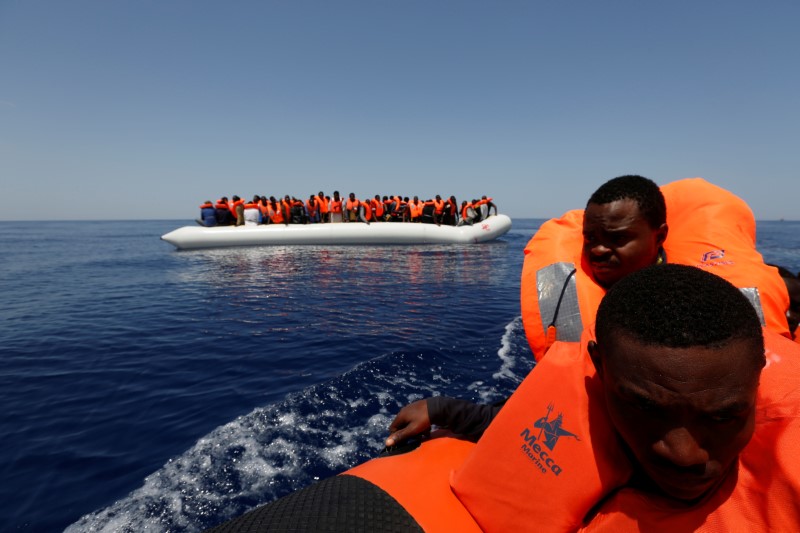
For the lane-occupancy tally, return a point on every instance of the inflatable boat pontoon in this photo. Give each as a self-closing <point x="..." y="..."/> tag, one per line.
<point x="195" y="237"/>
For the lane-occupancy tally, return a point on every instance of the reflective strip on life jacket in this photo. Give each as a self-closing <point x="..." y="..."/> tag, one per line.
<point x="751" y="293"/>
<point x="558" y="301"/>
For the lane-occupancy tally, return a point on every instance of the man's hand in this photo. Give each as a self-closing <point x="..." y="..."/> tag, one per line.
<point x="412" y="420"/>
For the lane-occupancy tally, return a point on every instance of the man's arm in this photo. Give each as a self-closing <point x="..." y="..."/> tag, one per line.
<point x="459" y="416"/>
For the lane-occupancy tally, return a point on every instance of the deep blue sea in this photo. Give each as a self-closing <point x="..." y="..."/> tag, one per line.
<point x="144" y="388"/>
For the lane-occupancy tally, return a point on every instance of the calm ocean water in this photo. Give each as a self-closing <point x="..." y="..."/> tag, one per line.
<point x="145" y="388"/>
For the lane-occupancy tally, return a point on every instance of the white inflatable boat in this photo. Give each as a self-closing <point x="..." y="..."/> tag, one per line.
<point x="194" y="237"/>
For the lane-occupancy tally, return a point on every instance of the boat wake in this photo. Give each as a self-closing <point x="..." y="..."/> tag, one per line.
<point x="312" y="434"/>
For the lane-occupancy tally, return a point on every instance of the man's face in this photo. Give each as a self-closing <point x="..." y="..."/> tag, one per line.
<point x="685" y="413"/>
<point x="617" y="240"/>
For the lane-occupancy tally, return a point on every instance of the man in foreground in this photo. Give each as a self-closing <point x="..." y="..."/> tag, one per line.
<point x="661" y="422"/>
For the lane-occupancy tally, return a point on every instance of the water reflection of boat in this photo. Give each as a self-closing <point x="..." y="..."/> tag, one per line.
<point x="194" y="237"/>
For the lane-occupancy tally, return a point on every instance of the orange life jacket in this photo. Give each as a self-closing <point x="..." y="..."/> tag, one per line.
<point x="352" y="204"/>
<point x="438" y="206"/>
<point x="519" y="477"/>
<point x="275" y="214"/>
<point x="378" y="206"/>
<point x="233" y="205"/>
<point x="709" y="228"/>
<point x="551" y="455"/>
<point x="311" y="205"/>
<point x="323" y="204"/>
<point x="415" y="208"/>
<point x="464" y="209"/>
<point x="336" y="206"/>
<point x="206" y="205"/>
<point x="367" y="210"/>
<point x="453" y="207"/>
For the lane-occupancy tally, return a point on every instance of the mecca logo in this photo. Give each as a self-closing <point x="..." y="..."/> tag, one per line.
<point x="536" y="444"/>
<point x="713" y="254"/>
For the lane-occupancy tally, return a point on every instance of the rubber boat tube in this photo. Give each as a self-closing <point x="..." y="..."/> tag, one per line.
<point x="400" y="493"/>
<point x="195" y="237"/>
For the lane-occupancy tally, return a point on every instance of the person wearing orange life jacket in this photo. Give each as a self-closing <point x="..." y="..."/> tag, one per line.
<point x="357" y="210"/>
<point x="336" y="208"/>
<point x="208" y="215"/>
<point x="351" y="208"/>
<point x="428" y="209"/>
<point x="438" y="210"/>
<point x="653" y="421"/>
<point x="298" y="213"/>
<point x="286" y="208"/>
<point x="365" y="212"/>
<point x="571" y="261"/>
<point x="223" y="213"/>
<point x="313" y="209"/>
<point x="468" y="213"/>
<point x="377" y="208"/>
<point x="451" y="211"/>
<point x="251" y="212"/>
<point x="276" y="212"/>
<point x="401" y="211"/>
<point x="480" y="210"/>
<point x="414" y="210"/>
<point x="388" y="207"/>
<point x="485" y="206"/>
<point x="324" y="209"/>
<point x="236" y="207"/>
<point x="263" y="208"/>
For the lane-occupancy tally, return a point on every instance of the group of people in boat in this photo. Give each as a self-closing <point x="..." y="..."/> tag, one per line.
<point x="321" y="209"/>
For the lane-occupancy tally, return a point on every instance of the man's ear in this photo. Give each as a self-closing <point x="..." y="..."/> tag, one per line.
<point x="661" y="233"/>
<point x="597" y="358"/>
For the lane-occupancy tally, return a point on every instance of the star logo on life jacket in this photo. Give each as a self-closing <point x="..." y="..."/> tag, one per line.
<point x="551" y="429"/>
<point x="713" y="254"/>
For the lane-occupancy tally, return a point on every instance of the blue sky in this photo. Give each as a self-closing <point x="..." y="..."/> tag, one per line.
<point x="143" y="109"/>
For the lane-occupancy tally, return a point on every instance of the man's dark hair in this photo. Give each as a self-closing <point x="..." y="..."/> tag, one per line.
<point x="642" y="190"/>
<point x="677" y="306"/>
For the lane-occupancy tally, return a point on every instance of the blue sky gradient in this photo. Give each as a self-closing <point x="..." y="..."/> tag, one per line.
<point x="143" y="109"/>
